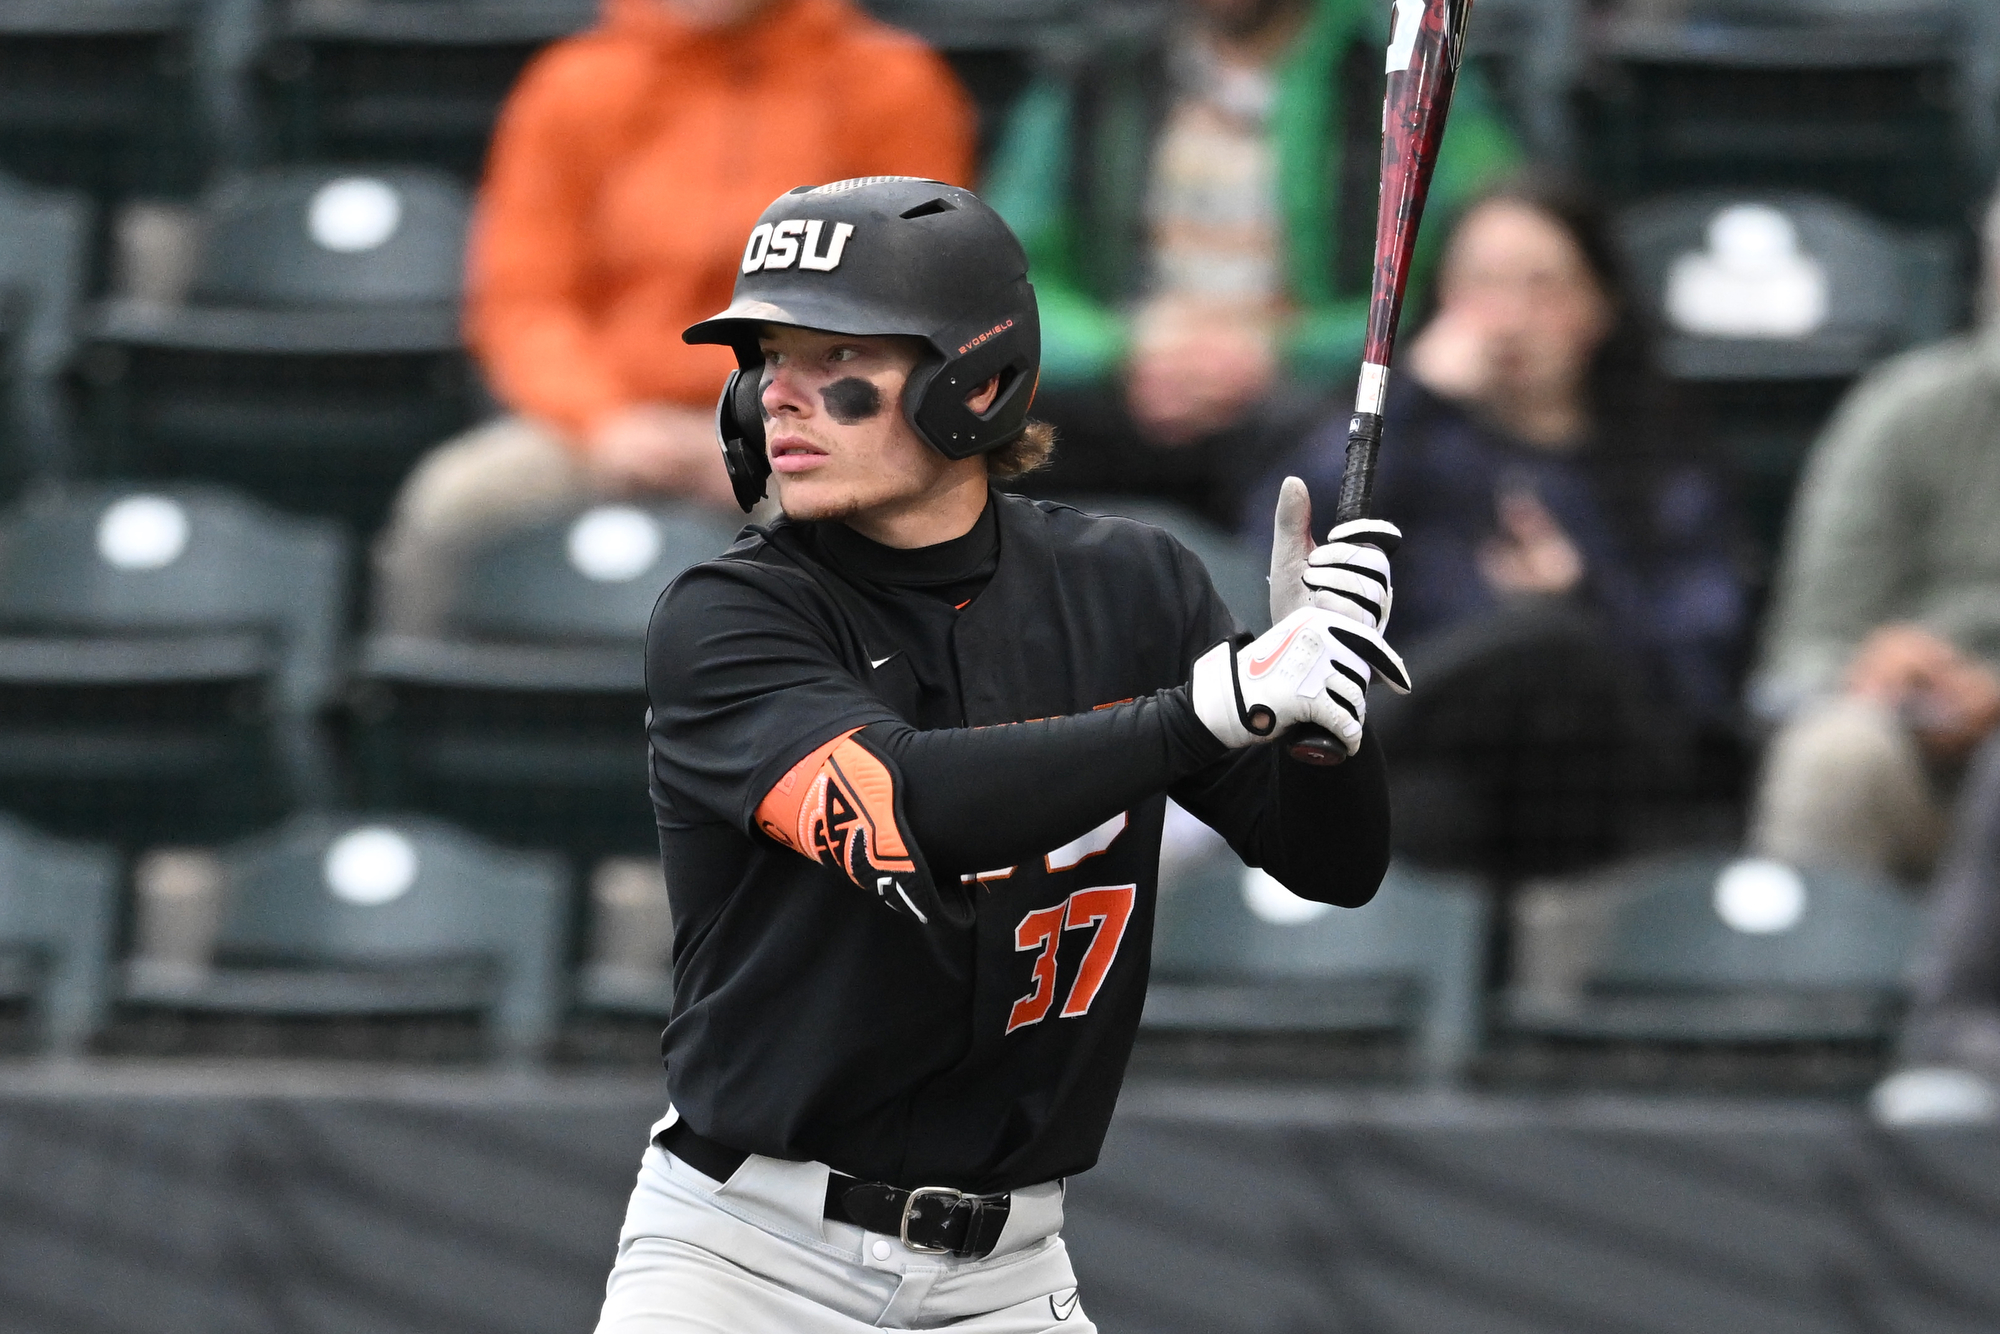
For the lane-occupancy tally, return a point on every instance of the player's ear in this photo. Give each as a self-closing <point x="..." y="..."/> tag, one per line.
<point x="982" y="398"/>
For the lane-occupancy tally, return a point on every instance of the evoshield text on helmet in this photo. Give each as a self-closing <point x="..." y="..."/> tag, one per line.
<point x="885" y="255"/>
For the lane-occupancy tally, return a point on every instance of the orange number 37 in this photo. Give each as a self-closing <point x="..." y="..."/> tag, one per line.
<point x="1106" y="909"/>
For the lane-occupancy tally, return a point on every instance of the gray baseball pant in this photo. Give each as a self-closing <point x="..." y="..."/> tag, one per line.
<point x="754" y="1255"/>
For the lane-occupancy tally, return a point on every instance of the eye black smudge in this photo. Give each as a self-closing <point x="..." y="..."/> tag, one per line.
<point x="851" y="400"/>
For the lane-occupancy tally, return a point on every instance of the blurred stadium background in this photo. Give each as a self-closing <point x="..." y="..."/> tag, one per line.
<point x="332" y="960"/>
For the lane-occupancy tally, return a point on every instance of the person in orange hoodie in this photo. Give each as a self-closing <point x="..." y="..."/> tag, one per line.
<point x="628" y="165"/>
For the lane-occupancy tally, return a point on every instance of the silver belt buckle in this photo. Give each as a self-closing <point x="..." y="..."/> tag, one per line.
<point x="910" y="1209"/>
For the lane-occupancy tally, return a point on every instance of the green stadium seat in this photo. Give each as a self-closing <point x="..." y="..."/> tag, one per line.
<point x="100" y="95"/>
<point x="628" y="971"/>
<point x="44" y="249"/>
<point x="1881" y="288"/>
<point x="979" y="25"/>
<point x="1235" y="953"/>
<point x="164" y="656"/>
<point x="414" y="81"/>
<point x="355" y="917"/>
<point x="527" y="721"/>
<point x="1771" y="302"/>
<point x="58" y="913"/>
<point x="422" y="81"/>
<point x="1979" y="85"/>
<point x="1701" y="948"/>
<point x="1531" y="55"/>
<point x="1832" y="96"/>
<point x="992" y="45"/>
<point x="317" y="354"/>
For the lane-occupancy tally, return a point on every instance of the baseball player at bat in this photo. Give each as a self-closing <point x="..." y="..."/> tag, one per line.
<point x="911" y="746"/>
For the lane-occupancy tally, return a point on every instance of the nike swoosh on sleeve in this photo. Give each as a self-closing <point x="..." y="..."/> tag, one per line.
<point x="877" y="662"/>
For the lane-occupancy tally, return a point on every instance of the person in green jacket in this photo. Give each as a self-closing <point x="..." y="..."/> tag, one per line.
<point x="1196" y="190"/>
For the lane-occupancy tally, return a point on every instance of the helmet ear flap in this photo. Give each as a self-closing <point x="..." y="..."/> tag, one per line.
<point x="939" y="413"/>
<point x="739" y="428"/>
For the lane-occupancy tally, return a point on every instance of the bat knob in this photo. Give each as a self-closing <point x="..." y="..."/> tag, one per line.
<point x="1315" y="746"/>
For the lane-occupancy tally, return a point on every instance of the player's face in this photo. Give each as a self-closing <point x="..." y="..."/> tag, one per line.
<point x="839" y="444"/>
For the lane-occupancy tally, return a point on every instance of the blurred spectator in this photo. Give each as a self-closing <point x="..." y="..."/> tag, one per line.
<point x="628" y="165"/>
<point x="1198" y="200"/>
<point x="1568" y="591"/>
<point x="1881" y="655"/>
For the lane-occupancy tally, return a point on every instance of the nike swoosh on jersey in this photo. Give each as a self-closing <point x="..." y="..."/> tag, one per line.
<point x="1258" y="666"/>
<point x="877" y="662"/>
<point x="1062" y="1305"/>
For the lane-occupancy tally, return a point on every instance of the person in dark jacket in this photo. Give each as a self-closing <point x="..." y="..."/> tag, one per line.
<point x="1571" y="583"/>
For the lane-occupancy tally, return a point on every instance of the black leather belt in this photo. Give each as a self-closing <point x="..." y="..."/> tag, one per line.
<point x="933" y="1220"/>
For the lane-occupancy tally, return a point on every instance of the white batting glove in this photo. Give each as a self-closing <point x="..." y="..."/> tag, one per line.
<point x="1349" y="574"/>
<point x="1311" y="667"/>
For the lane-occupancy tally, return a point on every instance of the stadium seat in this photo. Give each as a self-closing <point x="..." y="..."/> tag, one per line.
<point x="1531" y="54"/>
<point x="1845" y="98"/>
<point x="979" y="25"/>
<point x="1779" y="285"/>
<point x="1699" y="948"/>
<point x="1236" y="953"/>
<point x="44" y="246"/>
<point x="99" y="95"/>
<point x="163" y="657"/>
<point x="1979" y="85"/>
<point x="422" y="81"/>
<point x="1771" y="302"/>
<point x="416" y="81"/>
<point x="317" y="353"/>
<point x="343" y="916"/>
<point x="527" y="722"/>
<point x="58" y="912"/>
<point x="1241" y="576"/>
<point x="992" y="45"/>
<point x="629" y="969"/>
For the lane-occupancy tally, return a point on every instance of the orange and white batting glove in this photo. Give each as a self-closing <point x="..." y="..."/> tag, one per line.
<point x="1348" y="573"/>
<point x="1311" y="667"/>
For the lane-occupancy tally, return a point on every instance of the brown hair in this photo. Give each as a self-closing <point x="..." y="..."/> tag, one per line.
<point x="1024" y="453"/>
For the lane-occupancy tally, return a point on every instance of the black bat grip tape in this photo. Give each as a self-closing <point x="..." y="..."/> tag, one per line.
<point x="1357" y="476"/>
<point x="1308" y="743"/>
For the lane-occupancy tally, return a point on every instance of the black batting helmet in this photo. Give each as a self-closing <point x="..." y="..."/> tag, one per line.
<point x="885" y="255"/>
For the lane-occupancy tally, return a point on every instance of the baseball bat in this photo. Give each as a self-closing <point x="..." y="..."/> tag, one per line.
<point x="1426" y="45"/>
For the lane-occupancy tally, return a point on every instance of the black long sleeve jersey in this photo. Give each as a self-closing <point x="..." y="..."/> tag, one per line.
<point x="910" y="808"/>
